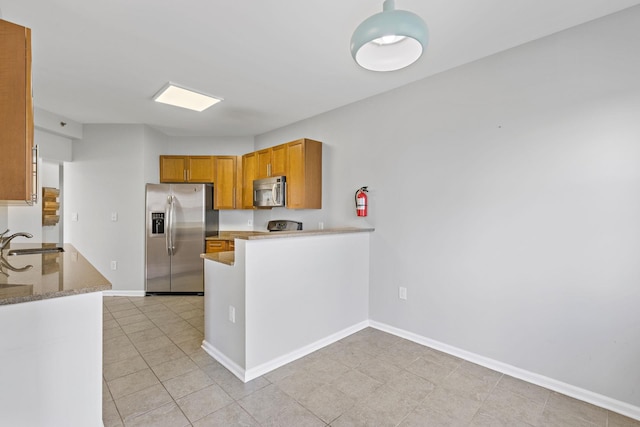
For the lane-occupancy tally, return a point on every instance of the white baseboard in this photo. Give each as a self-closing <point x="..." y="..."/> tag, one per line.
<point x="546" y="382"/>
<point x="117" y="293"/>
<point x="246" y="375"/>
<point x="232" y="366"/>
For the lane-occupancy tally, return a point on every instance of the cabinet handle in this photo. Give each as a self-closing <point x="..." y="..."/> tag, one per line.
<point x="269" y="169"/>
<point x="35" y="176"/>
<point x="184" y="175"/>
<point x="234" y="198"/>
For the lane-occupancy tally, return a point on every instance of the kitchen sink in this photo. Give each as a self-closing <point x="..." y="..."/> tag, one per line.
<point x="31" y="251"/>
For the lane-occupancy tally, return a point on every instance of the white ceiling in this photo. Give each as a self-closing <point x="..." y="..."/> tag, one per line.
<point x="274" y="62"/>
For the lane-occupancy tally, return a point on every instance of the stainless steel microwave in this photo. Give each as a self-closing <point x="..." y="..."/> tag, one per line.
<point x="269" y="192"/>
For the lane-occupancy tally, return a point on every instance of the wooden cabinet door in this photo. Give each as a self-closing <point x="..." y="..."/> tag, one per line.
<point x="213" y="246"/>
<point x="279" y="160"/>
<point x="200" y="169"/>
<point x="263" y="163"/>
<point x="16" y="113"/>
<point x="249" y="173"/>
<point x="224" y="187"/>
<point x="304" y="174"/>
<point x="173" y="168"/>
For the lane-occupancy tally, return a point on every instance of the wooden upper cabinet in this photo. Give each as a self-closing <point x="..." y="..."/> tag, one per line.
<point x="16" y="114"/>
<point x="263" y="163"/>
<point x="271" y="161"/>
<point x="226" y="191"/>
<point x="279" y="160"/>
<point x="249" y="173"/>
<point x="186" y="169"/>
<point x="304" y="174"/>
<point x="200" y="169"/>
<point x="173" y="168"/>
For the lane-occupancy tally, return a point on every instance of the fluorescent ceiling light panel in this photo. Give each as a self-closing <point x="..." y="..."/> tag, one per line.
<point x="173" y="94"/>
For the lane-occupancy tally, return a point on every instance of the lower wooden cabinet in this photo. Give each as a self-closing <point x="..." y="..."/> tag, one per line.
<point x="213" y="246"/>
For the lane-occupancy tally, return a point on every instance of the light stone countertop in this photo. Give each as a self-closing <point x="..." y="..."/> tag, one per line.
<point x="51" y="275"/>
<point x="228" y="258"/>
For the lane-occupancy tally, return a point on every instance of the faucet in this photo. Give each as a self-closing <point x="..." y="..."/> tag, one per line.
<point x="4" y="241"/>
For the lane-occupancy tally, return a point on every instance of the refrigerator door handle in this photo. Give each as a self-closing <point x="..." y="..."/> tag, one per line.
<point x="168" y="231"/>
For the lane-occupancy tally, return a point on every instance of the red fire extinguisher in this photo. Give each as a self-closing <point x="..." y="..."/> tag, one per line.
<point x="361" y="202"/>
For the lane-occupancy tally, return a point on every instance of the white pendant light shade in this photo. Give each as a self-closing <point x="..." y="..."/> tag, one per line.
<point x="389" y="40"/>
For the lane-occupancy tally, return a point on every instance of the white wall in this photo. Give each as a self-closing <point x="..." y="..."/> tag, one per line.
<point x="505" y="195"/>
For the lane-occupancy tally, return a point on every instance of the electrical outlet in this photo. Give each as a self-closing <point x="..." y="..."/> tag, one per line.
<point x="114" y="216"/>
<point x="232" y="314"/>
<point x="321" y="225"/>
<point x="402" y="292"/>
<point x="250" y="223"/>
<point x="114" y="265"/>
<point x="74" y="216"/>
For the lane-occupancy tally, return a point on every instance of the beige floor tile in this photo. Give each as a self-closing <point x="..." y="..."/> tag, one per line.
<point x="138" y="326"/>
<point x="326" y="370"/>
<point x="131" y="383"/>
<point x="204" y="402"/>
<point x="356" y="385"/>
<point x="191" y="345"/>
<point x="460" y="408"/>
<point x="136" y="318"/>
<point x="265" y="403"/>
<point x="294" y="415"/>
<point x="162" y="355"/>
<point x="229" y="416"/>
<point x="464" y="384"/>
<point x="124" y="367"/>
<point x="499" y="420"/>
<point x="299" y="384"/>
<point x="188" y="383"/>
<point x="118" y="353"/>
<point x="174" y="368"/>
<point x="142" y="401"/>
<point x="126" y="313"/>
<point x="506" y="406"/>
<point x="149" y="346"/>
<point x="145" y="334"/>
<point x="560" y="403"/>
<point x="411" y="386"/>
<point x="422" y="417"/>
<point x="379" y="370"/>
<point x="617" y="420"/>
<point x="327" y="402"/>
<point x="232" y="385"/>
<point x="111" y="333"/>
<point x="527" y="390"/>
<point x="110" y="415"/>
<point x="442" y="358"/>
<point x="109" y="324"/>
<point x="168" y="415"/>
<point x="187" y="334"/>
<point x="430" y="370"/>
<point x="390" y="404"/>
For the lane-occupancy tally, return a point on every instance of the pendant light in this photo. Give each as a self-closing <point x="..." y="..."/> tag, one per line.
<point x="389" y="40"/>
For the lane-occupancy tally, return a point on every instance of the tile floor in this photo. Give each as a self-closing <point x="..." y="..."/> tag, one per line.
<point x="156" y="374"/>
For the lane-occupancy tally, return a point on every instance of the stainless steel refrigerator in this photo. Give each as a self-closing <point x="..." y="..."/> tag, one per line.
<point x="178" y="218"/>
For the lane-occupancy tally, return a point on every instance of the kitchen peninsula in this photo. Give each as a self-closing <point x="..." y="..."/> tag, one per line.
<point x="282" y="295"/>
<point x="51" y="338"/>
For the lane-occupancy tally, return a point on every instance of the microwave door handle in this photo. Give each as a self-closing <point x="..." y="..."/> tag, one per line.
<point x="274" y="194"/>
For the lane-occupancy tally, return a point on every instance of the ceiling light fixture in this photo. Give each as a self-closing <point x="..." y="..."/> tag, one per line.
<point x="389" y="40"/>
<point x="173" y="94"/>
